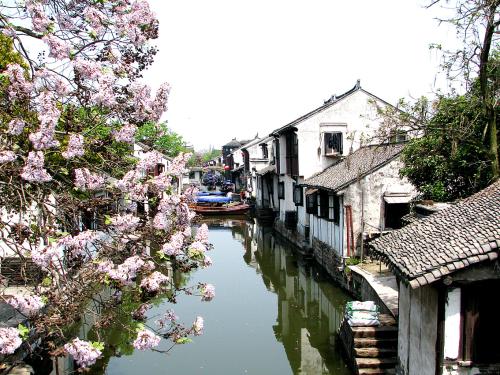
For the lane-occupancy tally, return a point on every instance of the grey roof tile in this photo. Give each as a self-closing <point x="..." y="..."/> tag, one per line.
<point x="361" y="162"/>
<point x="466" y="233"/>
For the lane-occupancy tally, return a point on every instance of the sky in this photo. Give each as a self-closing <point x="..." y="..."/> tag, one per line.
<point x="240" y="68"/>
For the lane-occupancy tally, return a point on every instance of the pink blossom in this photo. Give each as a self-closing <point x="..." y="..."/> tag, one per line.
<point x="7" y="156"/>
<point x="47" y="257"/>
<point x="198" y="247"/>
<point x="174" y="246"/>
<point x="159" y="105"/>
<point x="105" y="94"/>
<point x="83" y="352"/>
<point x="132" y="21"/>
<point x="85" y="180"/>
<point x="126" y="133"/>
<point x="26" y="305"/>
<point x="208" y="292"/>
<point x="9" y="340"/>
<point x="127" y="271"/>
<point x="178" y="166"/>
<point x="78" y="245"/>
<point x="153" y="282"/>
<point x="202" y="234"/>
<point x="139" y="192"/>
<point x="48" y="114"/>
<point x="88" y="69"/>
<point x="75" y="147"/>
<point x="184" y="214"/>
<point x="52" y="82"/>
<point x="169" y="204"/>
<point x="161" y="221"/>
<point x="125" y="223"/>
<point x="95" y="18"/>
<point x="190" y="193"/>
<point x="187" y="232"/>
<point x="39" y="19"/>
<point x="16" y="126"/>
<point x="162" y="182"/>
<point x="169" y="316"/>
<point x="198" y="326"/>
<point x="129" y="180"/>
<point x="149" y="160"/>
<point x="33" y="170"/>
<point x="105" y="266"/>
<point x="207" y="261"/>
<point x="146" y="340"/>
<point x="141" y="94"/>
<point x="19" y="86"/>
<point x="58" y="49"/>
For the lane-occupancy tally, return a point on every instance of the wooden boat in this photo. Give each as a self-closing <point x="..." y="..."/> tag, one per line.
<point x="229" y="209"/>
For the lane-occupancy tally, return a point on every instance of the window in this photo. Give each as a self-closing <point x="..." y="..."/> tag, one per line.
<point x="265" y="151"/>
<point x="298" y="195"/>
<point x="333" y="208"/>
<point x="398" y="136"/>
<point x="323" y="202"/>
<point x="333" y="144"/>
<point x="277" y="155"/>
<point x="311" y="204"/>
<point x="246" y="160"/>
<point x="281" y="190"/>
<point x="292" y="154"/>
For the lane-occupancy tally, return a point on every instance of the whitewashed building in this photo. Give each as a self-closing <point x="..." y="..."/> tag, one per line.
<point x="317" y="140"/>
<point x="351" y="200"/>
<point x="447" y="270"/>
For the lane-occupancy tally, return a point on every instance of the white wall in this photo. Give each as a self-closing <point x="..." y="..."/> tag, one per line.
<point x="417" y="332"/>
<point x="355" y="116"/>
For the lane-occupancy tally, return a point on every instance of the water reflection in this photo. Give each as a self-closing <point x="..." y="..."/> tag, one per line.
<point x="310" y="308"/>
<point x="274" y="313"/>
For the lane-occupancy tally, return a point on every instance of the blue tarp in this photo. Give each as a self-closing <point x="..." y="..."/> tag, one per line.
<point x="213" y="199"/>
<point x="206" y="193"/>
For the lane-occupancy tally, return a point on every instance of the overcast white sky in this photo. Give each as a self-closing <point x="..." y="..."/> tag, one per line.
<point x="239" y="68"/>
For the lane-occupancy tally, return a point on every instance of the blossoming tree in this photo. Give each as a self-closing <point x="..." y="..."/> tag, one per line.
<point x="71" y="104"/>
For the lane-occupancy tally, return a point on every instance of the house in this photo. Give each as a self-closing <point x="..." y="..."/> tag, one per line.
<point x="353" y="199"/>
<point x="317" y="140"/>
<point x="255" y="158"/>
<point x="447" y="269"/>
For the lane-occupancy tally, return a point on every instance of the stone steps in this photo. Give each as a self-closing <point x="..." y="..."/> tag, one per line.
<point x="376" y="371"/>
<point x="375" y="332"/>
<point x="376" y="363"/>
<point x="375" y="352"/>
<point x="369" y="342"/>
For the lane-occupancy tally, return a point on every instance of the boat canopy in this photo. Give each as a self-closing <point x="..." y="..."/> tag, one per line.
<point x="207" y="193"/>
<point x="212" y="199"/>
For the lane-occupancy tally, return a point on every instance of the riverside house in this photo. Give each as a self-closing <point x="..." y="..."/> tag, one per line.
<point x="358" y="197"/>
<point x="447" y="270"/>
<point x="309" y="145"/>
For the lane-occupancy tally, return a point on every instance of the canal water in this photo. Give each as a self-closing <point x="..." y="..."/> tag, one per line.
<point x="274" y="313"/>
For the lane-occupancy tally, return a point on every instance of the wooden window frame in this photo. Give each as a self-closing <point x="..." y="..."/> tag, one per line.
<point x="312" y="204"/>
<point x="327" y="137"/>
<point x="292" y="154"/>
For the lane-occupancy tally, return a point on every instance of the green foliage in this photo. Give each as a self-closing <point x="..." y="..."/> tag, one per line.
<point x="23" y="331"/>
<point x="352" y="261"/>
<point x="199" y="158"/>
<point x="161" y="138"/>
<point x="8" y="55"/>
<point x="451" y="160"/>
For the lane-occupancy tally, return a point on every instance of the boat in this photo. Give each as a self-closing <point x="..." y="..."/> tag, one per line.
<point x="218" y="205"/>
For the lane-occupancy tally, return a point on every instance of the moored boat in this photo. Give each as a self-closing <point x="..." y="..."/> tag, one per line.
<point x="218" y="205"/>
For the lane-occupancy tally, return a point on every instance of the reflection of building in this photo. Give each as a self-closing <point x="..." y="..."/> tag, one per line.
<point x="310" y="308"/>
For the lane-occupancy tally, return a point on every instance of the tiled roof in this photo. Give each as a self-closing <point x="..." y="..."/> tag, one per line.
<point x="356" y="165"/>
<point x="232" y="143"/>
<point x="268" y="169"/>
<point x="466" y="233"/>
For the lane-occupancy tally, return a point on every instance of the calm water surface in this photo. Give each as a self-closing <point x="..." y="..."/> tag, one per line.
<point x="274" y="313"/>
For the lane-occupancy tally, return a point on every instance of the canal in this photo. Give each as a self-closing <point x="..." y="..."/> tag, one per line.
<point x="274" y="313"/>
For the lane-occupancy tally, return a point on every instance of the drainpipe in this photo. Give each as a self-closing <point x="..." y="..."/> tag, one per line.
<point x="362" y="219"/>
